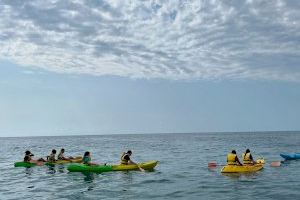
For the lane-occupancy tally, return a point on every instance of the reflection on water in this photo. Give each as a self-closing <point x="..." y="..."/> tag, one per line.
<point x="28" y="170"/>
<point x="51" y="169"/>
<point x="236" y="176"/>
<point x="61" y="168"/>
<point x="89" y="177"/>
<point x="126" y="176"/>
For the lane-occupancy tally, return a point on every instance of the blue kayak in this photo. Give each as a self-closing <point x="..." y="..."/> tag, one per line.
<point x="290" y="156"/>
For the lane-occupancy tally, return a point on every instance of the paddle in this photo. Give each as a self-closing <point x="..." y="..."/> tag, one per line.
<point x="213" y="165"/>
<point x="275" y="164"/>
<point x="141" y="169"/>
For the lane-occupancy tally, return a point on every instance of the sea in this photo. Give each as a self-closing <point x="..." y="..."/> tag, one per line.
<point x="182" y="171"/>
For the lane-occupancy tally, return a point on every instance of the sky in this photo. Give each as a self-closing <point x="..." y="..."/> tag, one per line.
<point x="124" y="66"/>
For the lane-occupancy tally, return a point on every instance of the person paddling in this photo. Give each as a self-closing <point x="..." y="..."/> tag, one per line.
<point x="28" y="159"/>
<point x="125" y="160"/>
<point x="61" y="156"/>
<point x="87" y="158"/>
<point x="232" y="159"/>
<point x="247" y="158"/>
<point x="30" y="155"/>
<point x="51" y="158"/>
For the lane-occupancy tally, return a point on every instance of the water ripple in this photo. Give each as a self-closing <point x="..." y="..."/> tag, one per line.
<point x="182" y="172"/>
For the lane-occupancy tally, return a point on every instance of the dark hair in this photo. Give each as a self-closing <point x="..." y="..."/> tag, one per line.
<point x="129" y="152"/>
<point x="53" y="151"/>
<point x="233" y="151"/>
<point x="247" y="151"/>
<point x="27" y="158"/>
<point x="87" y="153"/>
<point x="28" y="153"/>
<point x="62" y="150"/>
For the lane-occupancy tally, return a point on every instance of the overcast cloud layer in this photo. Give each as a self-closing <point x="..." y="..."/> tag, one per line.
<point x="156" y="38"/>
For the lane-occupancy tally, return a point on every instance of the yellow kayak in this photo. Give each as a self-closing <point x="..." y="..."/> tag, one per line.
<point x="77" y="159"/>
<point x="145" y="165"/>
<point x="244" y="168"/>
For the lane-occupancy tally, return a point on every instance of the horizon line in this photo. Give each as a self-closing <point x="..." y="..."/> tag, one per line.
<point x="154" y="133"/>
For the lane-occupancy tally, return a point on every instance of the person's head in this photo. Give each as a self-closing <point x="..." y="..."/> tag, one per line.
<point x="62" y="150"/>
<point x="28" y="153"/>
<point x="233" y="152"/>
<point x="247" y="151"/>
<point x="87" y="153"/>
<point x="129" y="152"/>
<point x="53" y="151"/>
<point x="27" y="158"/>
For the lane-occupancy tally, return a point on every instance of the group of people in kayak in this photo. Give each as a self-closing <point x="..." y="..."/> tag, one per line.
<point x="86" y="159"/>
<point x="51" y="158"/>
<point x="232" y="158"/>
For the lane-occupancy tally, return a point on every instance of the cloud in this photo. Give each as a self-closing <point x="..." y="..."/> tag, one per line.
<point x="155" y="39"/>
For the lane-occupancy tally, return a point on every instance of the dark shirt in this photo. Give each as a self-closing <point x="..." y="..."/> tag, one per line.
<point x="126" y="157"/>
<point x="251" y="158"/>
<point x="27" y="158"/>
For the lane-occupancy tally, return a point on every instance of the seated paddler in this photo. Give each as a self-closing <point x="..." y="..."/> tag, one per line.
<point x="232" y="159"/>
<point x="247" y="158"/>
<point x="61" y="156"/>
<point x="126" y="160"/>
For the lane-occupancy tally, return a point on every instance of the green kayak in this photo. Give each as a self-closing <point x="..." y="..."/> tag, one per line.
<point x="24" y="164"/>
<point x="87" y="168"/>
<point x="150" y="165"/>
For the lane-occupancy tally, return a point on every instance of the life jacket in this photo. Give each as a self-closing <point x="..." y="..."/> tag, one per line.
<point x="246" y="158"/>
<point x="123" y="160"/>
<point x="231" y="159"/>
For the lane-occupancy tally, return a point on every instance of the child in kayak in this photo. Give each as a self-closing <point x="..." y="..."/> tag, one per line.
<point x="247" y="158"/>
<point x="30" y="155"/>
<point x="87" y="159"/>
<point x="61" y="156"/>
<point x="125" y="160"/>
<point x="28" y="159"/>
<point x="51" y="158"/>
<point x="232" y="159"/>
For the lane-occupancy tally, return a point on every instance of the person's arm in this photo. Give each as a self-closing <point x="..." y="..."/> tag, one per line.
<point x="238" y="161"/>
<point x="90" y="163"/>
<point x="251" y="158"/>
<point x="66" y="158"/>
<point x="130" y="162"/>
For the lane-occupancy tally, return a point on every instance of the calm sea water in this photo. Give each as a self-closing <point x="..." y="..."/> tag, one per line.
<point x="181" y="174"/>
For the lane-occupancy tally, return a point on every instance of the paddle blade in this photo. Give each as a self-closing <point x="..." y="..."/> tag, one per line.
<point x="212" y="164"/>
<point x="275" y="164"/>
